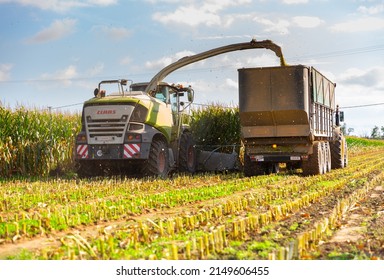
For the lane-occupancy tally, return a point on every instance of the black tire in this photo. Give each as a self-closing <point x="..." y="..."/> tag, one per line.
<point x="270" y="168"/>
<point x="252" y="168"/>
<point x="328" y="157"/>
<point x="158" y="161"/>
<point x="345" y="153"/>
<point x="315" y="163"/>
<point x="338" y="152"/>
<point x="187" y="154"/>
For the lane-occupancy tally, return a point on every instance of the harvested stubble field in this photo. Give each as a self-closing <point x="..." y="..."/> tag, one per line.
<point x="339" y="215"/>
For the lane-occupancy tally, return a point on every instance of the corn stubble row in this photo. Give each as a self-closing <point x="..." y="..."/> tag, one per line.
<point x="56" y="208"/>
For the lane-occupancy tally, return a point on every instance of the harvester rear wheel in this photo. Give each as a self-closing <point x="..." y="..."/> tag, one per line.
<point x="158" y="161"/>
<point x="315" y="164"/>
<point x="187" y="154"/>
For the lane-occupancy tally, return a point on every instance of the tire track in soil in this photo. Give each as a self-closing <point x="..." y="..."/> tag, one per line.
<point x="361" y="232"/>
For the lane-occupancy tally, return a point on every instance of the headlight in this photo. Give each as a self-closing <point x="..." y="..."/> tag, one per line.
<point x="81" y="137"/>
<point x="139" y="114"/>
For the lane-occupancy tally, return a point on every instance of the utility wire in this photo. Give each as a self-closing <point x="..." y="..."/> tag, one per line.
<point x="342" y="52"/>
<point x="65" y="106"/>
<point x="359" y="106"/>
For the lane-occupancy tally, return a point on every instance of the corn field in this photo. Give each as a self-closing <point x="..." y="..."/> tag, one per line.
<point x="215" y="126"/>
<point x="33" y="142"/>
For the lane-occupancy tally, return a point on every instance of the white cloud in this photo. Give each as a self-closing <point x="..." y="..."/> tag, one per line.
<point x="360" y="87"/>
<point x="373" y="10"/>
<point x="215" y="37"/>
<point x="368" y="78"/>
<point x="64" y="75"/>
<point x="231" y="83"/>
<point x="164" y="1"/>
<point x="113" y="33"/>
<point x="200" y="13"/>
<point x="279" y="26"/>
<point x="126" y="60"/>
<point x="364" y="24"/>
<point x="57" y="30"/>
<point x="60" y="5"/>
<point x="188" y="15"/>
<point x="224" y="93"/>
<point x="102" y="2"/>
<point x="263" y="60"/>
<point x="307" y="22"/>
<point x="5" y="70"/>
<point x="95" y="70"/>
<point x="164" y="61"/>
<point x="290" y="2"/>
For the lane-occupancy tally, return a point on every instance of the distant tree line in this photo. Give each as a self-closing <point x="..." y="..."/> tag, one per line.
<point x="377" y="133"/>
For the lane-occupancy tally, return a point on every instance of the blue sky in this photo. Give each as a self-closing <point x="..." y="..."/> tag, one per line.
<point x="54" y="53"/>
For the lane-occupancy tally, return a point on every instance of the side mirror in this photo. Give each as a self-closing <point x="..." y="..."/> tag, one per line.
<point x="191" y="94"/>
<point x="96" y="92"/>
<point x="341" y="116"/>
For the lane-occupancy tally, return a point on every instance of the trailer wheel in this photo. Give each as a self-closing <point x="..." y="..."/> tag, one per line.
<point x="315" y="164"/>
<point x="345" y="153"/>
<point x="157" y="163"/>
<point x="339" y="152"/>
<point x="187" y="154"/>
<point x="252" y="168"/>
<point x="328" y="157"/>
<point x="272" y="168"/>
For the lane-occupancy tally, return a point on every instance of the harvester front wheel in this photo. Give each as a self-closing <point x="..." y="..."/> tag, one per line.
<point x="157" y="163"/>
<point x="187" y="154"/>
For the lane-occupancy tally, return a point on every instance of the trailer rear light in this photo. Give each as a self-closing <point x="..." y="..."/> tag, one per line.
<point x="257" y="158"/>
<point x="304" y="157"/>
